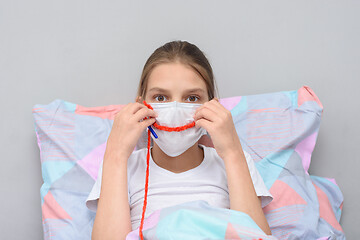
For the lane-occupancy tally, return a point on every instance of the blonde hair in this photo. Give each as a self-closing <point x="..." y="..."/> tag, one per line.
<point x="185" y="53"/>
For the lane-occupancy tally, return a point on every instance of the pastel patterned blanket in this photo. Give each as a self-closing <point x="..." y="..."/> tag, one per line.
<point x="278" y="129"/>
<point x="197" y="220"/>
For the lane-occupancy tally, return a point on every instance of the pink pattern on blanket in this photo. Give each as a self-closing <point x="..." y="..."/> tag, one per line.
<point x="105" y="112"/>
<point x="283" y="195"/>
<point x="326" y="211"/>
<point x="305" y="148"/>
<point x="230" y="103"/>
<point x="307" y="94"/>
<point x="150" y="222"/>
<point x="51" y="209"/>
<point x="91" y="162"/>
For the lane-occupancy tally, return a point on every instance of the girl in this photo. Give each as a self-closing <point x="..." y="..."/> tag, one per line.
<point x="177" y="80"/>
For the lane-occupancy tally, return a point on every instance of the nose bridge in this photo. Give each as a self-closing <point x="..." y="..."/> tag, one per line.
<point x="179" y="94"/>
<point x="177" y="97"/>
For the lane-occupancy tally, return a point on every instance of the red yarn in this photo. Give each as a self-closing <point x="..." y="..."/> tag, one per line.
<point x="164" y="128"/>
<point x="146" y="187"/>
<point x="170" y="129"/>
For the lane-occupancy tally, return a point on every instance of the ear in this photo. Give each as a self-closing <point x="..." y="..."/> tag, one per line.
<point x="138" y="99"/>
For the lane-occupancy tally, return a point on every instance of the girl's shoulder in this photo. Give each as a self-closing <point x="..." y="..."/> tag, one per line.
<point x="138" y="154"/>
<point x="137" y="159"/>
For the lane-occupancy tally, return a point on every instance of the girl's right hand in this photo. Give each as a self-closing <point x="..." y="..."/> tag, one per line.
<point x="128" y="127"/>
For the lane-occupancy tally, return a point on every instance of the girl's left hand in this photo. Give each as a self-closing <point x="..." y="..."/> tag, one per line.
<point x="218" y="122"/>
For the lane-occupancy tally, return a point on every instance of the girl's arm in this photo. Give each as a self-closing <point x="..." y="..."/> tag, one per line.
<point x="217" y="120"/>
<point x="112" y="220"/>
<point x="241" y="189"/>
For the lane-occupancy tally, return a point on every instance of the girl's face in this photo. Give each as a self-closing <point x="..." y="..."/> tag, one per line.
<point x="170" y="82"/>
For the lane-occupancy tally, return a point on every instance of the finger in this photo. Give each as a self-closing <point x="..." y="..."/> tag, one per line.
<point x="134" y="107"/>
<point x="144" y="113"/>
<point x="207" y="105"/>
<point x="217" y="101"/>
<point x="203" y="123"/>
<point x="221" y="110"/>
<point x="217" y="105"/>
<point x="147" y="122"/>
<point x="208" y="114"/>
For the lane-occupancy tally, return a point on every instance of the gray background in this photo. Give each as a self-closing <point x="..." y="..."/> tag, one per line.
<point x="92" y="53"/>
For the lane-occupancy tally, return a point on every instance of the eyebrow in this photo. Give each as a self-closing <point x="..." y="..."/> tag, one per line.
<point x="187" y="91"/>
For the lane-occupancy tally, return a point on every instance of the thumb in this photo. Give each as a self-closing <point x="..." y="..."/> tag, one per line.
<point x="147" y="122"/>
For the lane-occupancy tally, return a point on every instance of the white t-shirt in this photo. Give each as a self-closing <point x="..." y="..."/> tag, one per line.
<point x="205" y="182"/>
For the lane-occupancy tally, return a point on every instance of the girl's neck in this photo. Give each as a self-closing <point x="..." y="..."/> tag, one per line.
<point x="191" y="158"/>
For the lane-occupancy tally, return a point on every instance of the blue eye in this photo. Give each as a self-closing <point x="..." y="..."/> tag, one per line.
<point x="160" y="98"/>
<point x="193" y="98"/>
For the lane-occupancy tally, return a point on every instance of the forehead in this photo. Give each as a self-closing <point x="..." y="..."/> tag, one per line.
<point x="175" y="76"/>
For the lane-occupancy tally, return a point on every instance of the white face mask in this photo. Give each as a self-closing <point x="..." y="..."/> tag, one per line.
<point x="176" y="114"/>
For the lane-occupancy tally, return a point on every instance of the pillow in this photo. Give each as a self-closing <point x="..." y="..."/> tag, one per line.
<point x="277" y="129"/>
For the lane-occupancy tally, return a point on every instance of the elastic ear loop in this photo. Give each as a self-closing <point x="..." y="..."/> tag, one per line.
<point x="164" y="128"/>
